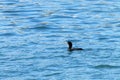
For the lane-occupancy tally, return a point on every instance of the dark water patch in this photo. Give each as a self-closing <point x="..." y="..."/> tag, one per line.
<point x="8" y="34"/>
<point x="67" y="31"/>
<point x="10" y="11"/>
<point x="39" y="27"/>
<point x="52" y="74"/>
<point x="8" y="3"/>
<point x="103" y="38"/>
<point x="100" y="11"/>
<point x="18" y="14"/>
<point x="118" y="25"/>
<point x="2" y="55"/>
<point x="104" y="66"/>
<point x="74" y="66"/>
<point x="88" y="22"/>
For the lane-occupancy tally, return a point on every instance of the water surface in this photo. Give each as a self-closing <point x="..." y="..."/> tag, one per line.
<point x="33" y="37"/>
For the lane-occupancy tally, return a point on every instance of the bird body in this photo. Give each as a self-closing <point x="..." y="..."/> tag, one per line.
<point x="70" y="47"/>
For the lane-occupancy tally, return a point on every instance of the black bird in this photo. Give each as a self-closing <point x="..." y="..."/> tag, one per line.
<point x="70" y="47"/>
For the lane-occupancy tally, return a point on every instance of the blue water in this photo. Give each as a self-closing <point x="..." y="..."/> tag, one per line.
<point x="33" y="35"/>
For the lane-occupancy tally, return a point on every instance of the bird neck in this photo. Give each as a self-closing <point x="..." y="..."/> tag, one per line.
<point x="70" y="46"/>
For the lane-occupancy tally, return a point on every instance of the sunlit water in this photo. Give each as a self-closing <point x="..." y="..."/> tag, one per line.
<point x="33" y="35"/>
